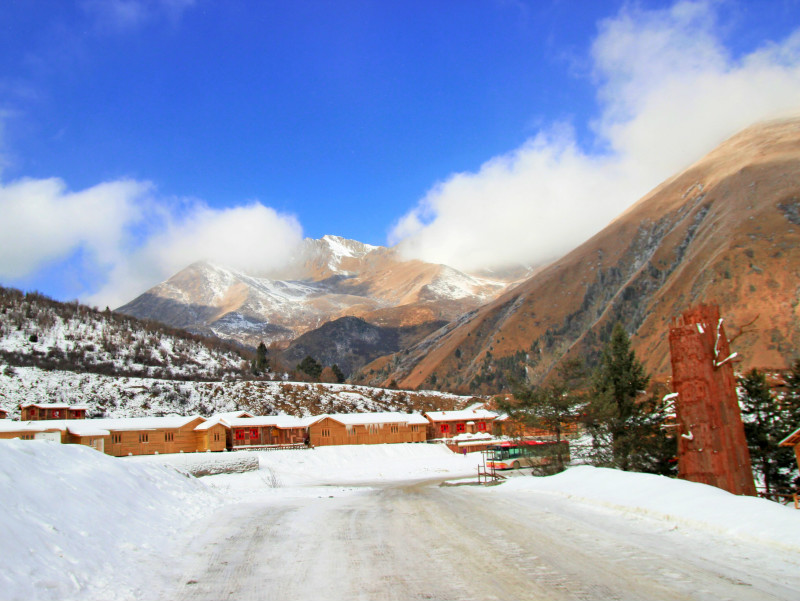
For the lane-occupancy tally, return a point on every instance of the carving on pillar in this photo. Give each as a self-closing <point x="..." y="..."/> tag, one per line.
<point x="712" y="448"/>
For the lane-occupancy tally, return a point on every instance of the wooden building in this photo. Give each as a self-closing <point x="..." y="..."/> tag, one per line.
<point x="169" y="434"/>
<point x="446" y="424"/>
<point x="367" y="428"/>
<point x="127" y="436"/>
<point x="3" y="413"/>
<point x="265" y="431"/>
<point x="52" y="431"/>
<point x="45" y="411"/>
<point x="793" y="440"/>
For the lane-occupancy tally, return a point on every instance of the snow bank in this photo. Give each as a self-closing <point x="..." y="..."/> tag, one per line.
<point x="77" y="524"/>
<point x="203" y="464"/>
<point x="284" y="473"/>
<point x="684" y="503"/>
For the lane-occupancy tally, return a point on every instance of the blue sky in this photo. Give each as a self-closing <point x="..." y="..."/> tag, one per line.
<point x="137" y="136"/>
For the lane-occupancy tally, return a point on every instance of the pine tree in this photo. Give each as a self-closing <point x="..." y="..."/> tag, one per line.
<point x="549" y="406"/>
<point x="618" y="423"/>
<point x="767" y="420"/>
<point x="338" y="373"/>
<point x="260" y="363"/>
<point x="310" y="366"/>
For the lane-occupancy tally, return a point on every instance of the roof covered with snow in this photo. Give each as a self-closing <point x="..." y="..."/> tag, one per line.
<point x="54" y="406"/>
<point x="168" y="422"/>
<point x="275" y="421"/>
<point x="9" y="425"/>
<point x="463" y="415"/>
<point x="386" y="417"/>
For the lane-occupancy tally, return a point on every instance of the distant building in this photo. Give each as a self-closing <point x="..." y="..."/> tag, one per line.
<point x="447" y="424"/>
<point x="264" y="431"/>
<point x="3" y="413"/>
<point x="45" y="411"/>
<point x="793" y="440"/>
<point x="367" y="428"/>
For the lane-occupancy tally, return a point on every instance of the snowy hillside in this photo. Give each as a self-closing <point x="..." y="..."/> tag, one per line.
<point x="134" y="397"/>
<point x="37" y="331"/>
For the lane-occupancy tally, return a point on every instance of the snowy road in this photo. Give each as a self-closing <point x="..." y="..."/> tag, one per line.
<point x="422" y="541"/>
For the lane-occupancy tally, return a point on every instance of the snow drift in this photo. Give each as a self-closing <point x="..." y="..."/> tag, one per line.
<point x="76" y="523"/>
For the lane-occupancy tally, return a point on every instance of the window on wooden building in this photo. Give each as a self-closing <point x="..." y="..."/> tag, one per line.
<point x="326" y="431"/>
<point x="56" y="413"/>
<point x="445" y="427"/>
<point x="253" y="433"/>
<point x="482" y="426"/>
<point x="239" y="434"/>
<point x="414" y="428"/>
<point x="461" y="427"/>
<point x="216" y="436"/>
<point x="393" y="429"/>
<point x="351" y="431"/>
<point x="116" y="438"/>
<point x="26" y="436"/>
<point x="143" y="437"/>
<point x="169" y="436"/>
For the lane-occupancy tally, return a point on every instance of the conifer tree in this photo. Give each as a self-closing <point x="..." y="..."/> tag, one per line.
<point x="260" y="363"/>
<point x="767" y="420"/>
<point x="338" y="373"/>
<point x="624" y="430"/>
<point x="310" y="366"/>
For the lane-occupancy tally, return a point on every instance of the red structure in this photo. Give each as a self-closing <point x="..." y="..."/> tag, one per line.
<point x="712" y="448"/>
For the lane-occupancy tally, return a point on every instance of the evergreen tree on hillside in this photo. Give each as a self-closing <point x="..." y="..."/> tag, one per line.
<point x="767" y="420"/>
<point x="626" y="426"/>
<point x="338" y="373"/>
<point x="260" y="363"/>
<point x="310" y="367"/>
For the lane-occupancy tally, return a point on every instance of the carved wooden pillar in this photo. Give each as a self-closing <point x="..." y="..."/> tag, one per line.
<point x="712" y="448"/>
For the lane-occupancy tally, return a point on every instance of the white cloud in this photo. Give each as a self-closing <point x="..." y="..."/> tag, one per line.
<point x="253" y="238"/>
<point x="668" y="92"/>
<point x="42" y="221"/>
<point x="132" y="239"/>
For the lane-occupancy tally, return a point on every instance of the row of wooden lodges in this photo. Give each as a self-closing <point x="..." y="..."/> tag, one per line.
<point x="241" y="430"/>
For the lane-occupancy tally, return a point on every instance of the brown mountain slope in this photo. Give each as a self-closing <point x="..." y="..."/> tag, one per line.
<point x="726" y="230"/>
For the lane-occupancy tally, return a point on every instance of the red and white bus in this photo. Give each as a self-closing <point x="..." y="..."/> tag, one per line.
<point x="511" y="455"/>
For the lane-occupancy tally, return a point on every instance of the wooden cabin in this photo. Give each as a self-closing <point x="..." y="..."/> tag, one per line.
<point x="367" y="428"/>
<point x="265" y="431"/>
<point x="446" y="424"/>
<point x="46" y="411"/>
<point x="53" y="431"/>
<point x="86" y="432"/>
<point x="793" y="440"/>
<point x="169" y="434"/>
<point x="3" y="413"/>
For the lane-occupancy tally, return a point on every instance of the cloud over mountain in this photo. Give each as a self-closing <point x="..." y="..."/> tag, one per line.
<point x="668" y="91"/>
<point x="129" y="239"/>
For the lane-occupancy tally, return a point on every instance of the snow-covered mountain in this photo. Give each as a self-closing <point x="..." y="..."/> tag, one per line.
<point x="328" y="278"/>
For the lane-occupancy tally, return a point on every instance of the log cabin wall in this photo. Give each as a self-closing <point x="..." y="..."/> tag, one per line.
<point x="329" y="431"/>
<point x="213" y="439"/>
<point x="150" y="441"/>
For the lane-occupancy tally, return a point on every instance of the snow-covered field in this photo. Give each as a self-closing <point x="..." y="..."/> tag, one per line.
<point x="75" y="524"/>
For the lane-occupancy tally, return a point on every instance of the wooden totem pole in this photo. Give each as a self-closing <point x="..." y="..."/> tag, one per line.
<point x="712" y="448"/>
